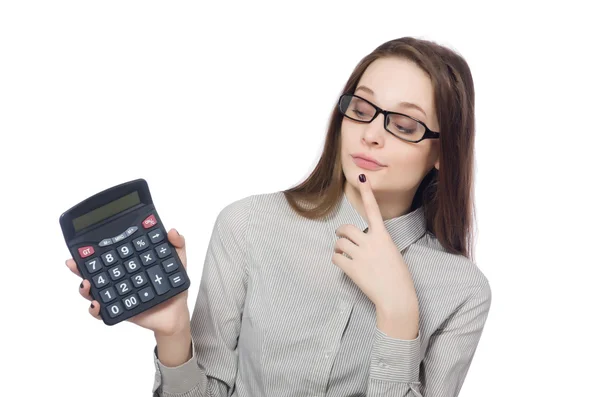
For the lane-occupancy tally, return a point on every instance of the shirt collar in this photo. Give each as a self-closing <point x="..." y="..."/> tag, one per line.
<point x="404" y="229"/>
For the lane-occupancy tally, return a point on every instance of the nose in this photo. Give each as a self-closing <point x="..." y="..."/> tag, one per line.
<point x="373" y="133"/>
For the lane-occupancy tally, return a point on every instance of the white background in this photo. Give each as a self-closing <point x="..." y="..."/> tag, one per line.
<point x="213" y="102"/>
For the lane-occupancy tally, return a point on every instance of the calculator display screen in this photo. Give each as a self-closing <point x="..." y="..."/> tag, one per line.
<point x="106" y="211"/>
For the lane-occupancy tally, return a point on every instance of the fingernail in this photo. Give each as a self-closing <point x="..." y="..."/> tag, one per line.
<point x="177" y="232"/>
<point x="362" y="178"/>
<point x="92" y="305"/>
<point x="81" y="285"/>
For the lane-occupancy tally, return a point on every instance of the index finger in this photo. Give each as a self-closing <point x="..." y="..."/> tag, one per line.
<point x="374" y="218"/>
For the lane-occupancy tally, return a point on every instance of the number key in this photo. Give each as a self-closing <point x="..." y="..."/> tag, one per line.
<point x="125" y="250"/>
<point x="124" y="287"/>
<point x="93" y="265"/>
<point x="115" y="309"/>
<point x="131" y="301"/>
<point x="116" y="272"/>
<point x="100" y="280"/>
<point x="108" y="294"/>
<point x="132" y="265"/>
<point x="109" y="258"/>
<point x="139" y="279"/>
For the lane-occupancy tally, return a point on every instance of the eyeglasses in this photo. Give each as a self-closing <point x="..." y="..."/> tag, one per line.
<point x="400" y="125"/>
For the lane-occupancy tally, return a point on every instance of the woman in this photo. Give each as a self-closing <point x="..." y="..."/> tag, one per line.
<point x="360" y="280"/>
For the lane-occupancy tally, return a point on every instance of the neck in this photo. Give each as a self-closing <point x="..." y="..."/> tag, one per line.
<point x="391" y="204"/>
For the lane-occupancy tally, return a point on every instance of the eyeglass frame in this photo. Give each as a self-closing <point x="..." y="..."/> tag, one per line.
<point x="429" y="134"/>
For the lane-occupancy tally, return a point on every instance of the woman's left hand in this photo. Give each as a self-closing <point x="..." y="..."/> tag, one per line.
<point x="376" y="265"/>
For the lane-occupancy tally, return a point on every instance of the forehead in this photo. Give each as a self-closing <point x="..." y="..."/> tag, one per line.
<point x="397" y="80"/>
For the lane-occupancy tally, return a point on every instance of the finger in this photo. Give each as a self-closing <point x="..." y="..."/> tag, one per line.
<point x="84" y="289"/>
<point x="72" y="266"/>
<point x="374" y="218"/>
<point x="343" y="263"/>
<point x="352" y="233"/>
<point x="345" y="246"/>
<point x="176" y="239"/>
<point x="94" y="310"/>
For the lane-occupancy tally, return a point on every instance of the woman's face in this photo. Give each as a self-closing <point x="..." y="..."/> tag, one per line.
<point x="386" y="83"/>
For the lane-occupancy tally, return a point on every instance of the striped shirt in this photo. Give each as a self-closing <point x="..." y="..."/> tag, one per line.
<point x="275" y="317"/>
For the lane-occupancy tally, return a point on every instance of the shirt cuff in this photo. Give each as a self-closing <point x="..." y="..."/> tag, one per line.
<point x="180" y="379"/>
<point x="395" y="360"/>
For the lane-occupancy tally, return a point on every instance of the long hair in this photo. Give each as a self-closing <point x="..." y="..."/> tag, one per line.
<point x="446" y="195"/>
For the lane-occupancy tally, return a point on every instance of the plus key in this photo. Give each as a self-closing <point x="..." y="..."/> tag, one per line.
<point x="158" y="279"/>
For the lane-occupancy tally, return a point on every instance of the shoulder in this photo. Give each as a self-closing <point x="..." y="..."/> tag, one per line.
<point x="237" y="213"/>
<point x="449" y="269"/>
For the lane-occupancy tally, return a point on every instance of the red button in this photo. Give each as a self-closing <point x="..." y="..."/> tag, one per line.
<point x="84" y="252"/>
<point x="149" y="222"/>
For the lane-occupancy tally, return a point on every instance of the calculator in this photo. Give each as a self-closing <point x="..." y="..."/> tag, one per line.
<point x="121" y="247"/>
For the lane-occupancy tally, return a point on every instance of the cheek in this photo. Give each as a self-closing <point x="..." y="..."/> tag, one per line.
<point x="409" y="161"/>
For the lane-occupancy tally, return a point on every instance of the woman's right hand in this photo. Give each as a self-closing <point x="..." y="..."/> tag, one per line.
<point x="168" y="318"/>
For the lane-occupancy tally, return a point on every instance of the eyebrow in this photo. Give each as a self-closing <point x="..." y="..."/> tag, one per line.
<point x="405" y="104"/>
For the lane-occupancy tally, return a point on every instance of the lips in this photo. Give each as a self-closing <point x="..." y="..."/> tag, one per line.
<point x="365" y="164"/>
<point x="367" y="158"/>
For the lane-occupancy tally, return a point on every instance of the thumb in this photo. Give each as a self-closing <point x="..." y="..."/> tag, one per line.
<point x="176" y="239"/>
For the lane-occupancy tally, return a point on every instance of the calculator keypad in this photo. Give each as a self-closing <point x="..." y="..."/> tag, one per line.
<point x="135" y="270"/>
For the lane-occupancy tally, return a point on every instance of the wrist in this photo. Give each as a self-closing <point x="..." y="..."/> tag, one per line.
<point x="396" y="323"/>
<point x="174" y="332"/>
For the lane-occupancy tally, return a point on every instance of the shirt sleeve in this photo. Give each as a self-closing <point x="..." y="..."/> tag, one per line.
<point x="396" y="369"/>
<point x="216" y="317"/>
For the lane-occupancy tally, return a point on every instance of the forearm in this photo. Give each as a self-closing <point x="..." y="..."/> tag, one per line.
<point x="176" y="349"/>
<point x="396" y="324"/>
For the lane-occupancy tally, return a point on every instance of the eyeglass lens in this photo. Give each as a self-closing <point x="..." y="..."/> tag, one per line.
<point x="404" y="127"/>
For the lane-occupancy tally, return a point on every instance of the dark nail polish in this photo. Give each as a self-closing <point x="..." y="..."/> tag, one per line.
<point x="177" y="232"/>
<point x="362" y="178"/>
<point x="81" y="285"/>
<point x="92" y="305"/>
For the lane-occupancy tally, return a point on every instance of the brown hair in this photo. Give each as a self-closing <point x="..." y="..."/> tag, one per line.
<point x="447" y="194"/>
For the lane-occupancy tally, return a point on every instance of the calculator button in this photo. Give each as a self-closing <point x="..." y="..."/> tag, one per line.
<point x="105" y="242"/>
<point x="115" y="309"/>
<point x="156" y="236"/>
<point x="108" y="294"/>
<point x="176" y="279"/>
<point x="100" y="280"/>
<point x="163" y="250"/>
<point x="131" y="301"/>
<point x="93" y="265"/>
<point x="146" y="294"/>
<point x="149" y="222"/>
<point x="109" y="257"/>
<point x="132" y="265"/>
<point x="140" y="243"/>
<point x="125" y="250"/>
<point x="139" y="279"/>
<point x="170" y="265"/>
<point x="123" y="287"/>
<point x="131" y="230"/>
<point x="84" y="252"/>
<point x="148" y="258"/>
<point x="120" y="237"/>
<point x="157" y="278"/>
<point x="116" y="272"/>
